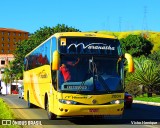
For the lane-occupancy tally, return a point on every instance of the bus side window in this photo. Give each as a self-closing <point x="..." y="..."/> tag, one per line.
<point x="26" y="64"/>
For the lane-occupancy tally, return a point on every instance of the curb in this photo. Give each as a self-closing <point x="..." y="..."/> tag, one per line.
<point x="145" y="102"/>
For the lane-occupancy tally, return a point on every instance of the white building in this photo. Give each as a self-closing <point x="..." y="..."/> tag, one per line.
<point x="10" y="89"/>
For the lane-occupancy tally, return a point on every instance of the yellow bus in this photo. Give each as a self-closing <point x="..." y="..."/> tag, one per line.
<point x="77" y="74"/>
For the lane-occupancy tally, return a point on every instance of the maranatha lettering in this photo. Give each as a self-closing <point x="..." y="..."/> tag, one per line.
<point x="93" y="46"/>
<point x="102" y="47"/>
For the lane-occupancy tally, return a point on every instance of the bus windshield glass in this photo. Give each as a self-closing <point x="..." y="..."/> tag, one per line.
<point x="90" y="74"/>
<point x="88" y="45"/>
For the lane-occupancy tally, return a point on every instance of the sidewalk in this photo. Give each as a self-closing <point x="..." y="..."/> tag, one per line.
<point x="145" y="102"/>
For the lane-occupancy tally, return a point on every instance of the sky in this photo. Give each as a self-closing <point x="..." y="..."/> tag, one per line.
<point x="85" y="15"/>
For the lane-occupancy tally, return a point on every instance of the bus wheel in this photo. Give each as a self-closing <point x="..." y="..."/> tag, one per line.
<point x="51" y="116"/>
<point x="30" y="105"/>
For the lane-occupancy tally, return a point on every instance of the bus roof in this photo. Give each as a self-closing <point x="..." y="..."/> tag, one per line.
<point x="83" y="34"/>
<point x="76" y="34"/>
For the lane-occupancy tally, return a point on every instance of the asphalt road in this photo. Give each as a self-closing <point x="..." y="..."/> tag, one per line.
<point x="136" y="116"/>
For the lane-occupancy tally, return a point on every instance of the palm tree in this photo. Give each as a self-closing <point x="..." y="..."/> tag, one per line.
<point x="17" y="77"/>
<point x="6" y="77"/>
<point x="147" y="74"/>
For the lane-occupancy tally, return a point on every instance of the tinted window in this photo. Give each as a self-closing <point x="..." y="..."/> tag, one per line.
<point x="39" y="57"/>
<point x="76" y="45"/>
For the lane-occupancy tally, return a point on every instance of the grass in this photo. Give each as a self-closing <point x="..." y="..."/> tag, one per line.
<point x="6" y="113"/>
<point x="154" y="98"/>
<point x="152" y="36"/>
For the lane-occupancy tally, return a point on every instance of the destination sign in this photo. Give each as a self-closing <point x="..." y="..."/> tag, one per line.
<point x="78" y="45"/>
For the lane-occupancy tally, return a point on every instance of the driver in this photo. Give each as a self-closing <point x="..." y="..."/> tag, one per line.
<point x="65" y="71"/>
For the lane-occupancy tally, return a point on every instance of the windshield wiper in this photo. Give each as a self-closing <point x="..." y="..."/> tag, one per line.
<point x="91" y="71"/>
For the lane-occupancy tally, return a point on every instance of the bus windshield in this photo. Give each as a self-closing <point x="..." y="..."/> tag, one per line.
<point x="85" y="45"/>
<point x="90" y="74"/>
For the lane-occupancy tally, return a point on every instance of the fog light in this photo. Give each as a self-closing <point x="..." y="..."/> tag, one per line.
<point x="61" y="109"/>
<point x="66" y="110"/>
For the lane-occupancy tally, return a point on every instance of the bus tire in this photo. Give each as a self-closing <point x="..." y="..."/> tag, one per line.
<point x="51" y="116"/>
<point x="30" y="105"/>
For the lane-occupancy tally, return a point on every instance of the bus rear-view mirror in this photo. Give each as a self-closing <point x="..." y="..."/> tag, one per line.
<point x="130" y="62"/>
<point x="55" y="60"/>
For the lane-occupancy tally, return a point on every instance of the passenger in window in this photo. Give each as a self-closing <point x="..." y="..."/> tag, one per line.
<point x="65" y="70"/>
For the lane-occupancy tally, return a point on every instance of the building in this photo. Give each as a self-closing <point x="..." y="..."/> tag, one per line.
<point x="8" y="39"/>
<point x="4" y="59"/>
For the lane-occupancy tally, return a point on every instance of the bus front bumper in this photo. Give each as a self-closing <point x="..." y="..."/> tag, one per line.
<point x="97" y="110"/>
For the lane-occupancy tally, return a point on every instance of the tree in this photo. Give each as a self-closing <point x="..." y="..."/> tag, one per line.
<point x="155" y="56"/>
<point x="146" y="74"/>
<point x="7" y="76"/>
<point x="34" y="40"/>
<point x="132" y="87"/>
<point x="136" y="45"/>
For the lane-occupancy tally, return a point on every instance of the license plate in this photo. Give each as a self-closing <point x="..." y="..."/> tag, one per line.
<point x="93" y="110"/>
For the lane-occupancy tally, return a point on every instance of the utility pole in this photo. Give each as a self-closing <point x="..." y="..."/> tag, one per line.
<point x="144" y="25"/>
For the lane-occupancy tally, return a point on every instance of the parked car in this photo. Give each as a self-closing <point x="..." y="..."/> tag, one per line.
<point x="14" y="92"/>
<point x="128" y="100"/>
<point x="21" y="93"/>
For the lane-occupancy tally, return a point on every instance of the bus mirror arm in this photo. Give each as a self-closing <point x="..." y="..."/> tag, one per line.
<point x="55" y="60"/>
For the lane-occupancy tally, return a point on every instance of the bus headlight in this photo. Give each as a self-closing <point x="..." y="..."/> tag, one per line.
<point x="117" y="101"/>
<point x="67" y="101"/>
